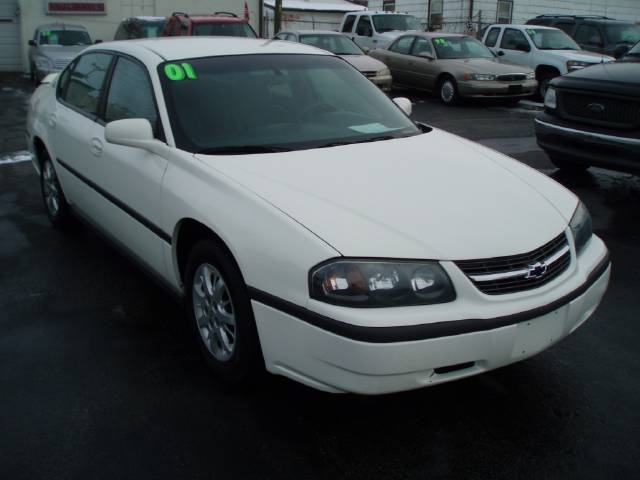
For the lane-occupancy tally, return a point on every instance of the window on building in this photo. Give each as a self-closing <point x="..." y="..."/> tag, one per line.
<point x="389" y="5"/>
<point x="505" y="11"/>
<point x="435" y="14"/>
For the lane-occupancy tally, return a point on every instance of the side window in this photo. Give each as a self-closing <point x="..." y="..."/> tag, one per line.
<point x="421" y="45"/>
<point x="86" y="80"/>
<point x="121" y="33"/>
<point x="184" y="29"/>
<point x="364" y="28"/>
<point x="130" y="93"/>
<point x="588" y="35"/>
<point x="348" y="23"/>
<point x="64" y="81"/>
<point x="566" y="27"/>
<point x="402" y="45"/>
<point x="492" y="37"/>
<point x="512" y="38"/>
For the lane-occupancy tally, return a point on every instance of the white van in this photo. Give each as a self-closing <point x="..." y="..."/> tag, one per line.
<point x="377" y="29"/>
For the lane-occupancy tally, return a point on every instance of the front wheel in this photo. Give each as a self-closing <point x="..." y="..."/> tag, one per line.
<point x="55" y="202"/>
<point x="220" y="313"/>
<point x="543" y="84"/>
<point x="448" y="91"/>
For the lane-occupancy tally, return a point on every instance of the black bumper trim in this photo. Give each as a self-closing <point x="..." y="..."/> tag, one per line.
<point x="424" y="331"/>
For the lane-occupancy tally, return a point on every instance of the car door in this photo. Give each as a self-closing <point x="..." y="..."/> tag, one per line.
<point x="589" y="38"/>
<point x="72" y="124"/>
<point x="363" y="35"/>
<point x="422" y="70"/>
<point x="397" y="58"/>
<point x="515" y="47"/>
<point x="130" y="177"/>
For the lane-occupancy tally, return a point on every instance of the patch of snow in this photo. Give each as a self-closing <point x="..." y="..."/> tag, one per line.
<point x="7" y="89"/>
<point x="15" y="157"/>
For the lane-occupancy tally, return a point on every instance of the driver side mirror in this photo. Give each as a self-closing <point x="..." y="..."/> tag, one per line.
<point x="500" y="53"/>
<point x="620" y="51"/>
<point x="404" y="104"/>
<point x="523" y="47"/>
<point x="32" y="43"/>
<point x="97" y="41"/>
<point x="134" y="132"/>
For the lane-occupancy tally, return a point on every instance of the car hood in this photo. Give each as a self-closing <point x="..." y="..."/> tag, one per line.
<point x="57" y="52"/>
<point x="622" y="78"/>
<point x="431" y="196"/>
<point x="580" y="55"/>
<point x="364" y="63"/>
<point x="488" y="65"/>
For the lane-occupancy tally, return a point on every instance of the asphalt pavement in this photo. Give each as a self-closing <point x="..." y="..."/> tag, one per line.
<point x="99" y="377"/>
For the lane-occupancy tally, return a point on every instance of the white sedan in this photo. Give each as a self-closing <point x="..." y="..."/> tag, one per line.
<point x="307" y="223"/>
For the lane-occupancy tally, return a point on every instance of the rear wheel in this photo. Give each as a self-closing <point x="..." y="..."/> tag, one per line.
<point x="55" y="202"/>
<point x="569" y="165"/>
<point x="220" y="313"/>
<point x="448" y="91"/>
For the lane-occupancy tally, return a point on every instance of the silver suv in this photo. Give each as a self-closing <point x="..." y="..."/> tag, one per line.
<point x="54" y="46"/>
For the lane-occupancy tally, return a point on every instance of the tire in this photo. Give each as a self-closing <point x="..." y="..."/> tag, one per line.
<point x="448" y="91"/>
<point x="32" y="74"/>
<point x="569" y="165"/>
<point x="220" y="315"/>
<point x="543" y="83"/>
<point x="55" y="202"/>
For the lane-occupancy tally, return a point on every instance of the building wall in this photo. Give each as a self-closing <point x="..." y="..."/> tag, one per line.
<point x="103" y="27"/>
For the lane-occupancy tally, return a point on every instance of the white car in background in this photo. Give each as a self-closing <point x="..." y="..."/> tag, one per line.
<point x="308" y="224"/>
<point x="549" y="51"/>
<point x="377" y="29"/>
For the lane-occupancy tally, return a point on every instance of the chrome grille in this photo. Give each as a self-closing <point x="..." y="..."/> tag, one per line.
<point x="60" y="63"/>
<point x="600" y="110"/>
<point x="369" y="74"/>
<point x="512" y="77"/>
<point x="515" y="273"/>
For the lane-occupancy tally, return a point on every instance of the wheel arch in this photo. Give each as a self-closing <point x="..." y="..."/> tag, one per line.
<point x="544" y="68"/>
<point x="40" y="150"/>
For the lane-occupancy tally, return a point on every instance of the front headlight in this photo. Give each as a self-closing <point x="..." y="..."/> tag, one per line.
<point x="581" y="227"/>
<point x="44" y="63"/>
<point x="550" y="99"/>
<point x="385" y="72"/>
<point x="479" y="76"/>
<point x="380" y="283"/>
<point x="576" y="65"/>
<point x="531" y="76"/>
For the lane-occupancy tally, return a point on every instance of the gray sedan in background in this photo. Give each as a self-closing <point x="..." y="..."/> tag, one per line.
<point x="343" y="46"/>
<point x="54" y="46"/>
<point x="454" y="66"/>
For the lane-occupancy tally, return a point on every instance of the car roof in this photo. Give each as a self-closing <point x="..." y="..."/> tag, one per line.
<point x="64" y="26"/>
<point x="315" y="32"/>
<point x="144" y="18"/>
<point x="513" y="25"/>
<point x="176" y="48"/>
<point x="211" y="18"/>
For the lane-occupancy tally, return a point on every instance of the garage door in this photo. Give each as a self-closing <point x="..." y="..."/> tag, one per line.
<point x="10" y="60"/>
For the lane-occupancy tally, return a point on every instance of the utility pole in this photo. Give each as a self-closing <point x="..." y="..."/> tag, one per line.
<point x="277" y="20"/>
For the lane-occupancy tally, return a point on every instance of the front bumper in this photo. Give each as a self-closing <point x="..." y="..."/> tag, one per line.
<point x="338" y="357"/>
<point x="495" y="89"/>
<point x="382" y="82"/>
<point x="590" y="145"/>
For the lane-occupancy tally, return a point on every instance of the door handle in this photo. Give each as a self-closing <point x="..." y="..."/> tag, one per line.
<point x="96" y="147"/>
<point x="52" y="120"/>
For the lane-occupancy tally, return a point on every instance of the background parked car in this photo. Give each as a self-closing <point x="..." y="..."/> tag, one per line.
<point x="377" y="29"/>
<point x="592" y="117"/>
<point x="454" y="66"/>
<point x="341" y="45"/>
<point x="218" y="24"/>
<point x="594" y="33"/>
<point x="140" y="27"/>
<point x="633" y="55"/>
<point x="53" y="46"/>
<point x="549" y="51"/>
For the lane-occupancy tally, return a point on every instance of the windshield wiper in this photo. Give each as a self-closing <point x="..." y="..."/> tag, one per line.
<point x="366" y="140"/>
<point x="242" y="149"/>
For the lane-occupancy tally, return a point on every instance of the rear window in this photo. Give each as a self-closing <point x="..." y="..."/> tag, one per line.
<point x="224" y="29"/>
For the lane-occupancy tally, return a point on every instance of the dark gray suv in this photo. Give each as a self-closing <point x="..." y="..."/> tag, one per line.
<point x="594" y="33"/>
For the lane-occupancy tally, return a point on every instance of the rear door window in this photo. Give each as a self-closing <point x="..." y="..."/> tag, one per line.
<point x="86" y="82"/>
<point x="588" y="35"/>
<point x="403" y="45"/>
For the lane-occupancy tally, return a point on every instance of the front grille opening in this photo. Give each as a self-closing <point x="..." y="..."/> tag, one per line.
<point x="501" y="275"/>
<point x="454" y="368"/>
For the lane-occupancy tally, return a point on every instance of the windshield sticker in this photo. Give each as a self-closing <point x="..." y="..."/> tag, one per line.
<point x="440" y="41"/>
<point x="177" y="72"/>
<point x="46" y="33"/>
<point x="531" y="32"/>
<point x="371" y="128"/>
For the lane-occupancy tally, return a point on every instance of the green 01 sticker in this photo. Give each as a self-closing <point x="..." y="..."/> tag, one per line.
<point x="440" y="41"/>
<point x="176" y="72"/>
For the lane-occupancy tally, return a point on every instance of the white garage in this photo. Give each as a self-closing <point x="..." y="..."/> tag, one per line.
<point x="10" y="59"/>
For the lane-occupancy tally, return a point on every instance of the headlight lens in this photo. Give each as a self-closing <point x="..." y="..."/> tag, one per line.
<point x="479" y="76"/>
<point x="380" y="283"/>
<point x="385" y="72"/>
<point x="581" y="227"/>
<point x="550" y="100"/>
<point x="531" y="76"/>
<point x="43" y="63"/>
<point x="576" y="65"/>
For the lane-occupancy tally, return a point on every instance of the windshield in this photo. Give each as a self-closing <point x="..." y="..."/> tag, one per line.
<point x="64" y="38"/>
<point x="152" y="29"/>
<point x="547" y="39"/>
<point x="460" y="47"/>
<point x="337" y="44"/>
<point x="387" y="23"/>
<point x="264" y="103"/>
<point x="224" y="29"/>
<point x="623" y="33"/>
<point x="634" y="52"/>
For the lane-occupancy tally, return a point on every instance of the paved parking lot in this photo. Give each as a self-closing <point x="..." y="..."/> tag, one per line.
<point x="100" y="379"/>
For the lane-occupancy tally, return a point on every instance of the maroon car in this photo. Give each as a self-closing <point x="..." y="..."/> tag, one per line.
<point x="216" y="24"/>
